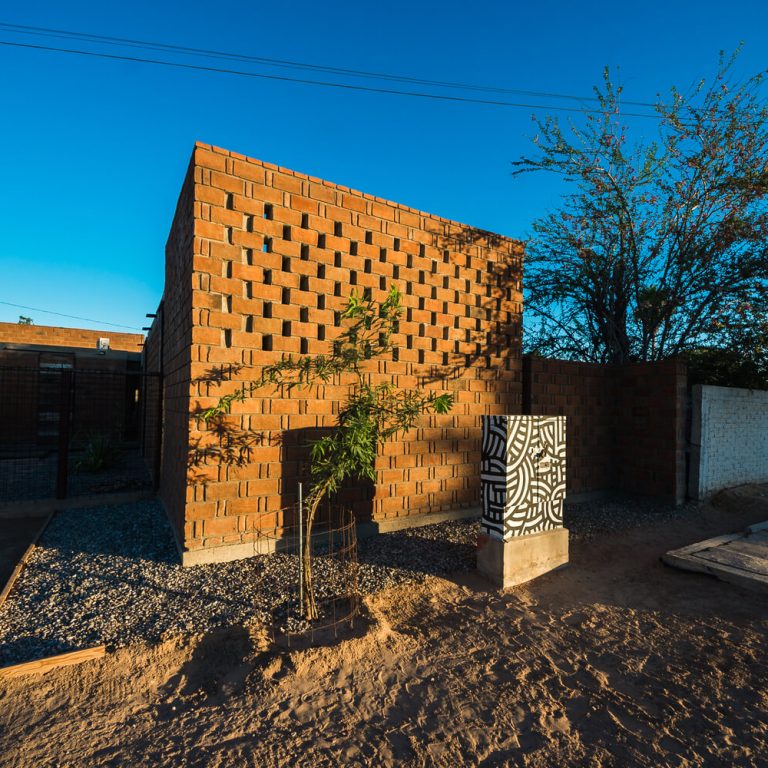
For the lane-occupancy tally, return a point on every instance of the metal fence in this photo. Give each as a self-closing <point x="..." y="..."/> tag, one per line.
<point x="67" y="432"/>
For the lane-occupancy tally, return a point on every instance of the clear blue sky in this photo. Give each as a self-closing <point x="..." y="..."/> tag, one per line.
<point x="94" y="151"/>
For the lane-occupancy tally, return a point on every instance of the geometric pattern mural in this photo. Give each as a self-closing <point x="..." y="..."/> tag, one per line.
<point x="522" y="474"/>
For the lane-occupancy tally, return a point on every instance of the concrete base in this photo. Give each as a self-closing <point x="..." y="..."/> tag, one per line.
<point x="523" y="558"/>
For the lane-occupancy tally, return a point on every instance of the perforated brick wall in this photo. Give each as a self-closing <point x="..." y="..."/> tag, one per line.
<point x="76" y="338"/>
<point x="274" y="257"/>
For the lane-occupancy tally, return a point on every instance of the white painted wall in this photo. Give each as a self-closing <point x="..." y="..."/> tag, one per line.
<point x="729" y="438"/>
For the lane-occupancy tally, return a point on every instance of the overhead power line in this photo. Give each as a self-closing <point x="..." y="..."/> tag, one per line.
<point x="286" y="63"/>
<point x="71" y="317"/>
<point x="324" y="83"/>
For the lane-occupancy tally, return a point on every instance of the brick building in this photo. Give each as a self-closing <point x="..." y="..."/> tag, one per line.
<point x="259" y="262"/>
<point x="33" y="359"/>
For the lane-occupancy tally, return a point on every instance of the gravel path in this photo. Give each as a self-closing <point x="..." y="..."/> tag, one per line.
<point x="111" y="575"/>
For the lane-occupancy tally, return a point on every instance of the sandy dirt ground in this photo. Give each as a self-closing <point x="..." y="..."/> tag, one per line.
<point x="616" y="660"/>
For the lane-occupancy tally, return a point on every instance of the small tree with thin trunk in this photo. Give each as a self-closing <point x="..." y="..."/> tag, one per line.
<point x="371" y="414"/>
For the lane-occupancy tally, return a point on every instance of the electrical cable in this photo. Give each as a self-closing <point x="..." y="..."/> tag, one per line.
<point x="71" y="317"/>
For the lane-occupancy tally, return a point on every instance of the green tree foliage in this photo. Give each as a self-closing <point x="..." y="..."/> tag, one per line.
<point x="661" y="247"/>
<point x="371" y="414"/>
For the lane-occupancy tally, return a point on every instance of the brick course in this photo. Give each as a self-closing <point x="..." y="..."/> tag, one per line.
<point x="626" y="424"/>
<point x="260" y="262"/>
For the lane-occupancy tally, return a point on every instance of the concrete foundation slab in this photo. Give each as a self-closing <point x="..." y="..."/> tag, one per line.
<point x="522" y="558"/>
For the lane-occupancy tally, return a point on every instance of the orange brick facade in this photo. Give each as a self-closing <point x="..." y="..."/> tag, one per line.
<point x="259" y="264"/>
<point x="24" y="336"/>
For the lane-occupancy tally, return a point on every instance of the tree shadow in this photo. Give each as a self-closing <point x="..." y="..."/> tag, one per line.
<point x="490" y="332"/>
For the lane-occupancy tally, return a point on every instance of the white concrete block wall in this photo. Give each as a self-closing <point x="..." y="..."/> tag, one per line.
<point x="729" y="438"/>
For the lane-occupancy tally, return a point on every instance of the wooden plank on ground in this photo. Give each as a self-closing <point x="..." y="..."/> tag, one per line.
<point x="737" y="558"/>
<point x="40" y="666"/>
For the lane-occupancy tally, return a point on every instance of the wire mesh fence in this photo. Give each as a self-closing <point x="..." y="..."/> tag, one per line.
<point x="68" y="432"/>
<point x="333" y="562"/>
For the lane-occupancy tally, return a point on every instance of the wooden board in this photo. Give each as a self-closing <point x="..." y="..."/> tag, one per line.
<point x="740" y="558"/>
<point x="40" y="666"/>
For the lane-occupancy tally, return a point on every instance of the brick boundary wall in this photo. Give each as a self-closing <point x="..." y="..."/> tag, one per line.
<point x="52" y="336"/>
<point x="260" y="262"/>
<point x="626" y="425"/>
<point x="729" y="438"/>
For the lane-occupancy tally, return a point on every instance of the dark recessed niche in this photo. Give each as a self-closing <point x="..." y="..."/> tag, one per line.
<point x="478" y="300"/>
<point x="421" y="356"/>
<point x="303" y="346"/>
<point x="409" y="342"/>
<point x="455" y="297"/>
<point x="456" y="271"/>
<point x="337" y="229"/>
<point x="229" y="235"/>
<point x="286" y="232"/>
<point x="304" y="283"/>
<point x="382" y="283"/>
<point x="337" y="289"/>
<point x="337" y="319"/>
<point x="466" y="311"/>
<point x="433" y="293"/>
<point x="433" y="318"/>
<point x="286" y="266"/>
<point x="468" y="336"/>
<point x="337" y="259"/>
<point x="456" y="321"/>
<point x="408" y="289"/>
<point x="321" y="271"/>
<point x="434" y="345"/>
<point x="249" y="223"/>
<point x="409" y="314"/>
<point x="267" y="245"/>
<point x="445" y="358"/>
<point x="367" y="266"/>
<point x="445" y="283"/>
<point x="422" y="329"/>
<point x="352" y="277"/>
<point x="230" y="204"/>
<point x="466" y="286"/>
<point x="267" y="277"/>
<point x="321" y="241"/>
<point x="382" y="254"/>
<point x="409" y="261"/>
<point x="369" y="238"/>
<point x="304" y="252"/>
<point x="395" y="354"/>
<point x="268" y="211"/>
<point x="445" y="333"/>
<point x="445" y="307"/>
<point x="421" y="277"/>
<point x="422" y="250"/>
<point x="286" y="296"/>
<point x="469" y="262"/>
<point x="478" y="324"/>
<point x="396" y="272"/>
<point x="446" y="257"/>
<point x="434" y="267"/>
<point x="353" y="249"/>
<point x="249" y="324"/>
<point x="396" y="244"/>
<point x="456" y="347"/>
<point x="321" y="333"/>
<point x="286" y="327"/>
<point x="421" y="302"/>
<point x="366" y="294"/>
<point x="305" y="221"/>
<point x="266" y="343"/>
<point x="321" y="301"/>
<point x="228" y="269"/>
<point x="479" y="276"/>
<point x="248" y="289"/>
<point x="488" y="290"/>
<point x="267" y="311"/>
<point x="248" y="255"/>
<point x="304" y="315"/>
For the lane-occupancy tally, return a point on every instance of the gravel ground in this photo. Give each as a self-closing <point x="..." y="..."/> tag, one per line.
<point x="110" y="575"/>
